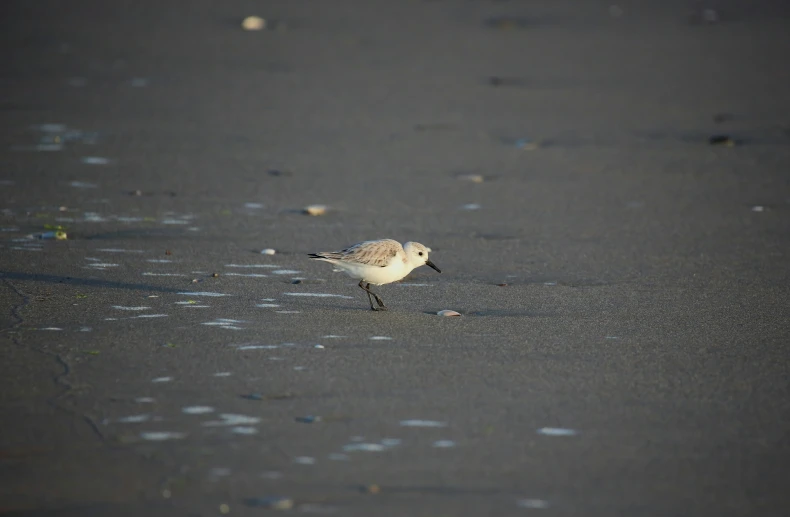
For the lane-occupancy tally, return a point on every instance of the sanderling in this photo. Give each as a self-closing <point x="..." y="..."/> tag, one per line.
<point x="378" y="262"/>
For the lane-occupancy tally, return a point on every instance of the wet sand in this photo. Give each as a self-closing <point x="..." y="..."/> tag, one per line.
<point x="633" y="363"/>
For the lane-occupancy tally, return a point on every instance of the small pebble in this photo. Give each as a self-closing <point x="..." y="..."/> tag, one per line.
<point x="758" y="208"/>
<point x="315" y="210"/>
<point x="253" y="23"/>
<point x="537" y="504"/>
<point x="319" y="346"/>
<point x="502" y="285"/>
<point x="370" y="489"/>
<point x="448" y="312"/>
<point x="224" y="509"/>
<point x="95" y="160"/>
<point x="297" y="281"/>
<point x="268" y="251"/>
<point x="215" y="275"/>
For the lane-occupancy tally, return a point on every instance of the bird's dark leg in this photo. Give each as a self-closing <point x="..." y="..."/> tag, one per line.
<point x="378" y="299"/>
<point x="370" y="300"/>
<point x="382" y="307"/>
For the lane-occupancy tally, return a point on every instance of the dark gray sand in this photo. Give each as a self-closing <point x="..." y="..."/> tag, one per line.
<point x="636" y="362"/>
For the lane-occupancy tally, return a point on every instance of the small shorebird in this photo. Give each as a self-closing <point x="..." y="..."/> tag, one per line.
<point x="378" y="262"/>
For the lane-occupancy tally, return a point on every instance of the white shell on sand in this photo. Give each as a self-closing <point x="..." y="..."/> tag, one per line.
<point x="268" y="251"/>
<point x="253" y="23"/>
<point x="474" y="178"/>
<point x="315" y="209"/>
<point x="448" y="312"/>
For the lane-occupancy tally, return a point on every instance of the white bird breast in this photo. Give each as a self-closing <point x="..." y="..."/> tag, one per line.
<point x="374" y="274"/>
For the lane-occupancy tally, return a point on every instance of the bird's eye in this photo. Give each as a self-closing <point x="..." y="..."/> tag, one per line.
<point x="420" y="253"/>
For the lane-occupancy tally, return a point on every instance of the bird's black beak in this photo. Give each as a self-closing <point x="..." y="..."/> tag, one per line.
<point x="431" y="264"/>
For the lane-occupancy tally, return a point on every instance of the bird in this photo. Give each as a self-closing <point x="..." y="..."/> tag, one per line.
<point x="378" y="262"/>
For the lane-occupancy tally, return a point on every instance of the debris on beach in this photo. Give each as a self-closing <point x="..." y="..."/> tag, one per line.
<point x="55" y="137"/>
<point x="315" y="210"/>
<point x="95" y="160"/>
<point x="474" y="178"/>
<point x="721" y="140"/>
<point x="309" y="419"/>
<point x="448" y="312"/>
<point x="527" y="144"/>
<point x="422" y="423"/>
<point x="58" y="235"/>
<point x="312" y="281"/>
<point x="273" y="502"/>
<point x="533" y="503"/>
<point x="268" y="251"/>
<point x="370" y="489"/>
<point x="556" y="431"/>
